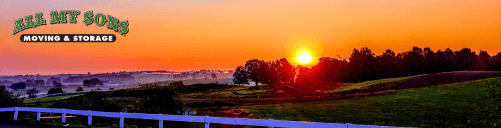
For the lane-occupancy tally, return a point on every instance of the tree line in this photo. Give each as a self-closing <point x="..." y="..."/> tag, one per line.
<point x="363" y="65"/>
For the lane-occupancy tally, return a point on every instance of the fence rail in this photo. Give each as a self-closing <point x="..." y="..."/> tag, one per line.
<point x="199" y="119"/>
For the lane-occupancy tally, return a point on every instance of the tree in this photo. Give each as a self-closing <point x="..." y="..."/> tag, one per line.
<point x="465" y="59"/>
<point x="86" y="83"/>
<point x="497" y="62"/>
<point x="363" y="65"/>
<point x="213" y="76"/>
<point x="390" y="64"/>
<point x="56" y="84"/>
<point x="304" y="73"/>
<point x="17" y="86"/>
<point x="32" y="92"/>
<point x="285" y="71"/>
<point x="255" y="69"/>
<point x="241" y="76"/>
<point x="330" y="69"/>
<point x="55" y="90"/>
<point x="79" y="89"/>
<point x="7" y="99"/>
<point x="92" y="82"/>
<point x="95" y="81"/>
<point x="484" y="61"/>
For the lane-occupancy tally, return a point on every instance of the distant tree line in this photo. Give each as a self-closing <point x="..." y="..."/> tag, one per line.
<point x="364" y="65"/>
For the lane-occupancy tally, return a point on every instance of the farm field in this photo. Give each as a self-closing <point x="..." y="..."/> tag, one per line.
<point x="468" y="104"/>
<point x="49" y="98"/>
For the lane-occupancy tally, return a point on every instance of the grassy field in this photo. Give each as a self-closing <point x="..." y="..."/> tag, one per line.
<point x="235" y="92"/>
<point x="366" y="84"/>
<point x="418" y="81"/>
<point x="48" y="99"/>
<point x="469" y="104"/>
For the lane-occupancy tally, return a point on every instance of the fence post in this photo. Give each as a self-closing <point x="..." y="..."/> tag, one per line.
<point x="63" y="115"/>
<point x="270" y="126"/>
<point x="206" y="121"/>
<point x="38" y="116"/>
<point x="348" y="125"/>
<point x="15" y="113"/>
<point x="121" y="120"/>
<point x="160" y="122"/>
<point x="89" y="120"/>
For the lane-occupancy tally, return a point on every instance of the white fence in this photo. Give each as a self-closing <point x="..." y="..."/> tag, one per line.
<point x="199" y="119"/>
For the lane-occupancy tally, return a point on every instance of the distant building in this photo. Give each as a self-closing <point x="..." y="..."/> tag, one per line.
<point x="109" y="83"/>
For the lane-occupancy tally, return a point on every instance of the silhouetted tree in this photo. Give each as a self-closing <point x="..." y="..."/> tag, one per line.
<point x="465" y="59"/>
<point x="484" y="61"/>
<point x="92" y="82"/>
<point x="56" y="84"/>
<point x="284" y="70"/>
<point x="390" y="64"/>
<point x="304" y="73"/>
<point x="330" y="69"/>
<point x="32" y="92"/>
<point x="363" y="65"/>
<point x="17" y="86"/>
<point x="86" y="83"/>
<point x="241" y="76"/>
<point x="55" y="90"/>
<point x="79" y="89"/>
<point x="7" y="99"/>
<point x="497" y="62"/>
<point x="95" y="81"/>
<point x="256" y="69"/>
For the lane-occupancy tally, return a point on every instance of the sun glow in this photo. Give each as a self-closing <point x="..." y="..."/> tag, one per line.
<point x="304" y="58"/>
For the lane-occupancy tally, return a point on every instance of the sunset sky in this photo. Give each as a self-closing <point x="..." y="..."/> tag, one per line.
<point x="183" y="35"/>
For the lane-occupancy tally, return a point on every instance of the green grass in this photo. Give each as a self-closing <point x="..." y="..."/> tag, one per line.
<point x="234" y="92"/>
<point x="366" y="84"/>
<point x="48" y="99"/>
<point x="418" y="81"/>
<point x="469" y="104"/>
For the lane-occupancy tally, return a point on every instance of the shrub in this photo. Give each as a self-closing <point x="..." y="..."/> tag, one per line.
<point x="9" y="100"/>
<point x="17" y="86"/>
<point x="32" y="92"/>
<point x="55" y="90"/>
<point x="79" y="89"/>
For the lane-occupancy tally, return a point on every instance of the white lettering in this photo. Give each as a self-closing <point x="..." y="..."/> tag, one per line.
<point x="26" y="38"/>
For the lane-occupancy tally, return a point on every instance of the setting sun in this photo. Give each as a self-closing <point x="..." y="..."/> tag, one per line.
<point x="304" y="58"/>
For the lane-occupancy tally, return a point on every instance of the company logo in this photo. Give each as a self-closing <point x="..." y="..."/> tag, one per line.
<point x="99" y="19"/>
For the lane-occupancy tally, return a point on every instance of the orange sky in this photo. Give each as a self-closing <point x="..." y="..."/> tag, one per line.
<point x="194" y="34"/>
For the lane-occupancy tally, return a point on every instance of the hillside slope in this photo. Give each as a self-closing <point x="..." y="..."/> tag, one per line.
<point x="417" y="81"/>
<point x="468" y="104"/>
